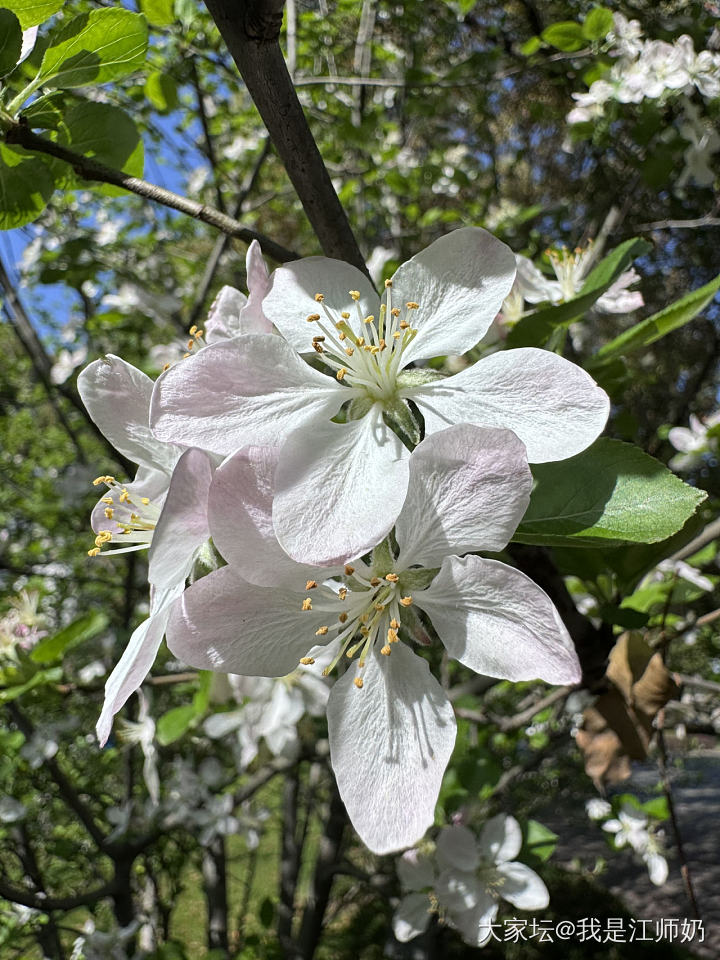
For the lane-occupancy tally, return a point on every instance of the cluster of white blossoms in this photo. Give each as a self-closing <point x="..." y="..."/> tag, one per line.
<point x="647" y="69"/>
<point x="462" y="878"/>
<point x="632" y="828"/>
<point x="317" y="485"/>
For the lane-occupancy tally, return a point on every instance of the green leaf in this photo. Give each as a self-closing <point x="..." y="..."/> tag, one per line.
<point x="611" y="494"/>
<point x="85" y="628"/>
<point x="535" y="329"/>
<point x="539" y="840"/>
<point x="598" y="23"/>
<point x="45" y="113"/>
<point x="32" y="12"/>
<point x="10" y="41"/>
<point x="40" y="679"/>
<point x="160" y="13"/>
<point x="26" y="184"/>
<point x="107" y="134"/>
<point x="94" y="48"/>
<point x="657" y="808"/>
<point x="161" y="91"/>
<point x="653" y="328"/>
<point x="566" y="35"/>
<point x="531" y="46"/>
<point x="173" y="724"/>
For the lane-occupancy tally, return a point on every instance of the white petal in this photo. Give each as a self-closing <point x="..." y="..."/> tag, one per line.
<point x="534" y="285"/>
<point x="411" y="917"/>
<point x="136" y="661"/>
<point x="501" y="838"/>
<point x="657" y="868"/>
<point x="458" y="891"/>
<point x="117" y="397"/>
<point x="240" y="512"/>
<point x="390" y="743"/>
<point x="554" y="406"/>
<point x="252" y="389"/>
<point x="291" y="298"/>
<point x="415" y="870"/>
<point x="223" y="320"/>
<point x="253" y="320"/>
<point x="220" y="724"/>
<point x="498" y="622"/>
<point x="457" y="848"/>
<point x="183" y="524"/>
<point x="339" y="489"/>
<point x="224" y="623"/>
<point x="476" y="925"/>
<point x="468" y="490"/>
<point x="460" y="282"/>
<point x="149" y="483"/>
<point x="522" y="887"/>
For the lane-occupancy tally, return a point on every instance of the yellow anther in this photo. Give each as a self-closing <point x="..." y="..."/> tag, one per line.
<point x="320" y="339"/>
<point x="386" y="651"/>
<point x="374" y="350"/>
<point x="395" y="311"/>
<point x="404" y="324"/>
<point x="190" y="344"/>
<point x="370" y="319"/>
<point x="355" y="294"/>
<point x="313" y="317"/>
<point x="144" y="501"/>
<point x="311" y="584"/>
<point x="107" y="500"/>
<point x="94" y="552"/>
<point x="411" y="305"/>
<point x="109" y="512"/>
<point x="345" y="315"/>
<point x="321" y="631"/>
<point x="392" y="636"/>
<point x="349" y="351"/>
<point x="364" y="618"/>
<point x="185" y="356"/>
<point x="199" y="334"/>
<point x="318" y="348"/>
<point x="103" y="537"/>
<point x="343" y="617"/>
<point x="396" y="335"/>
<point x="307" y="604"/>
<point x="341" y="373"/>
<point x="388" y="283"/>
<point x="342" y="336"/>
<point x="395" y="624"/>
<point x="319" y="297"/>
<point x="306" y="661"/>
<point x="365" y="631"/>
<point x="382" y="344"/>
<point x="342" y="592"/>
<point x="406" y="601"/>
<point x="134" y="518"/>
<point x="374" y="581"/>
<point x="166" y="366"/>
<point x="98" y="480"/>
<point x="380" y="606"/>
<point x="349" y="571"/>
<point x="392" y="577"/>
<point x="360" y="341"/>
<point x="193" y="330"/>
<point x="358" y="682"/>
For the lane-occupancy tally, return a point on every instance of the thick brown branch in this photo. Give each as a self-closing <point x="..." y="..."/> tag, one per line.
<point x="90" y="169"/>
<point x="251" y="31"/>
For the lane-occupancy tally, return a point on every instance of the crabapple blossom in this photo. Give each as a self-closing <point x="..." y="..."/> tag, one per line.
<point x="631" y="828"/>
<point x="465" y="879"/>
<point x="391" y="726"/>
<point x="259" y="390"/>
<point x="695" y="442"/>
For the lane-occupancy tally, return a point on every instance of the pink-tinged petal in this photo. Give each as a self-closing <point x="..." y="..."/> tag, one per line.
<point x="390" y="743"/>
<point x="117" y="397"/>
<point x="498" y="622"/>
<point x="136" y="661"/>
<point x="501" y="838"/>
<point x="291" y="298"/>
<point x="258" y="283"/>
<point x="411" y="917"/>
<point x="223" y="320"/>
<point x="468" y="490"/>
<point x="554" y="406"/>
<point x="338" y="489"/>
<point x="522" y="887"/>
<point x="240" y="512"/>
<point x="183" y="524"/>
<point x="459" y="282"/>
<point x="457" y="848"/>
<point x="252" y="389"/>
<point x="224" y="623"/>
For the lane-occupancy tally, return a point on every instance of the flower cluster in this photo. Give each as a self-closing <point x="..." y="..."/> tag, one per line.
<point x="21" y="627"/>
<point x="319" y="486"/>
<point x="464" y="878"/>
<point x="632" y="828"/>
<point x="695" y="442"/>
<point x="647" y="69"/>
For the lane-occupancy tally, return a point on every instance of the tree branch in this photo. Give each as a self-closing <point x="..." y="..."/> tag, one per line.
<point x="251" y="30"/>
<point x="46" y="904"/>
<point x="89" y="169"/>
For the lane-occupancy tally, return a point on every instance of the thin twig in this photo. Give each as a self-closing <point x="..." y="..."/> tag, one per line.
<point x="209" y="145"/>
<point x="91" y="170"/>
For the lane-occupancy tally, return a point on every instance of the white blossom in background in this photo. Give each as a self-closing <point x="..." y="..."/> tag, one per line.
<point x="597" y="808"/>
<point x="67" y="361"/>
<point x="132" y="297"/>
<point x="21" y="627"/>
<point x="97" y="944"/>
<point x="11" y="810"/>
<point x="468" y="489"/>
<point x="685" y="571"/>
<point x="693" y="443"/>
<point x="464" y="881"/>
<point x="142" y="733"/>
<point x="259" y="390"/>
<point x="632" y="829"/>
<point x="703" y="141"/>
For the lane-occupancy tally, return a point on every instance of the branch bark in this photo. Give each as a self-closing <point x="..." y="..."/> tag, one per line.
<point x="251" y="30"/>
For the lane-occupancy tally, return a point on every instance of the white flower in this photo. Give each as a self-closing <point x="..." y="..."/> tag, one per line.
<point x="693" y="443"/>
<point x="164" y="509"/>
<point x="257" y="390"/>
<point x="627" y="36"/>
<point x="101" y="945"/>
<point x="391" y="726"/>
<point x="632" y="829"/>
<point x="468" y="879"/>
<point x="131" y="297"/>
<point x="142" y="733"/>
<point x="597" y="808"/>
<point x="683" y="570"/>
<point x="703" y="141"/>
<point x="66" y="362"/>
